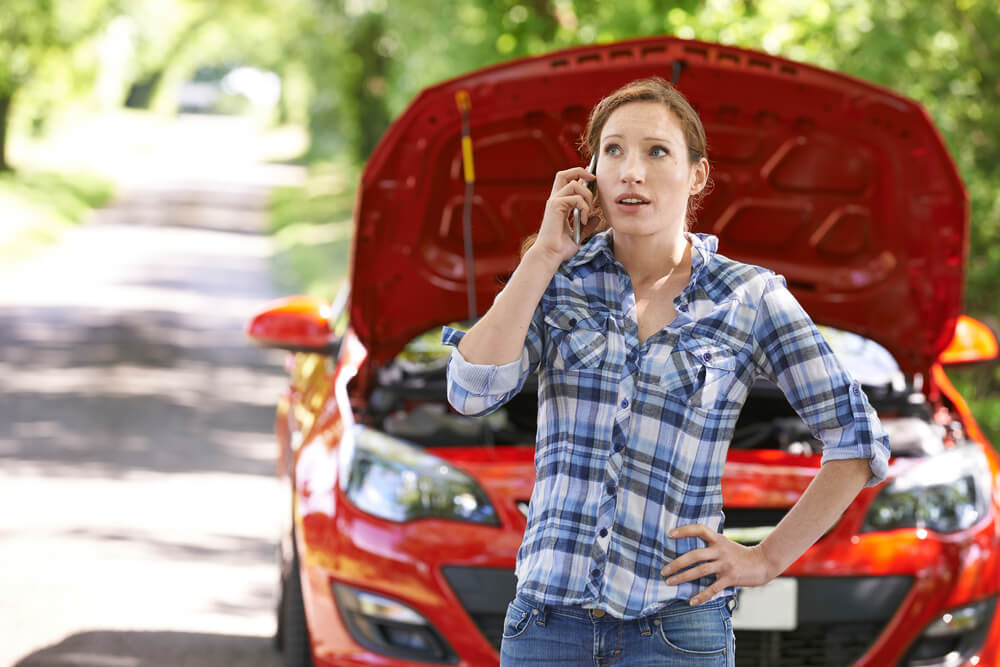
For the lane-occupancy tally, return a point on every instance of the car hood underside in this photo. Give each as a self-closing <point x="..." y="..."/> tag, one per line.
<point x="841" y="186"/>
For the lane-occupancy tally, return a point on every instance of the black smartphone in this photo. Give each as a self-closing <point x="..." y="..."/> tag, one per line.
<point x="592" y="186"/>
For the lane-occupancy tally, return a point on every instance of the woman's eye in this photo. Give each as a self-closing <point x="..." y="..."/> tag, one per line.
<point x="658" y="151"/>
<point x="612" y="149"/>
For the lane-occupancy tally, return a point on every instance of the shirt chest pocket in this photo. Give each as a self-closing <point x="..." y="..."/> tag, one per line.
<point x="579" y="338"/>
<point x="696" y="372"/>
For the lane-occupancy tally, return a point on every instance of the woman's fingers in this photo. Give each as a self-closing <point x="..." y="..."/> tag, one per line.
<point x="711" y="591"/>
<point x="569" y="191"/>
<point x="695" y="530"/>
<point x="705" y="569"/>
<point x="688" y="559"/>
<point x="577" y="187"/>
<point x="575" y="201"/>
<point x="569" y="175"/>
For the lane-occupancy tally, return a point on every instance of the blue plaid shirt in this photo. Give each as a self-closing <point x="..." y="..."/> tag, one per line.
<point x="632" y="437"/>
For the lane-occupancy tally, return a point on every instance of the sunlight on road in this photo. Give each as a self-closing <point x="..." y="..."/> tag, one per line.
<point x="136" y="431"/>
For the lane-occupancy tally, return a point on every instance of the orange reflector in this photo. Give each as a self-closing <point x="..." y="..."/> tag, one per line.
<point x="973" y="341"/>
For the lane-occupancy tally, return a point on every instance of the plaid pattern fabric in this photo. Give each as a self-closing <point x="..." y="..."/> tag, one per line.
<point x="632" y="437"/>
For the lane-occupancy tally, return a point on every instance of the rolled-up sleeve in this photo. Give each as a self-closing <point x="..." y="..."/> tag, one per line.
<point x="479" y="389"/>
<point x="792" y="352"/>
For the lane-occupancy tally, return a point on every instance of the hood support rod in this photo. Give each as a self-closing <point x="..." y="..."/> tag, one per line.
<point x="464" y="105"/>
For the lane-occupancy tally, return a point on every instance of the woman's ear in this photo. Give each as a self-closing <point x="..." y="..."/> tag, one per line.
<point x="699" y="177"/>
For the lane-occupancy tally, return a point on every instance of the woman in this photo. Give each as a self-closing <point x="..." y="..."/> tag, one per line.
<point x="646" y="342"/>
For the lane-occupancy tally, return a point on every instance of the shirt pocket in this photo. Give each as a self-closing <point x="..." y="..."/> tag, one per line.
<point x="579" y="338"/>
<point x="697" y="372"/>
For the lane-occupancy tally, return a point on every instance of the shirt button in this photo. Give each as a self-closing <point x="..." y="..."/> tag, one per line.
<point x="572" y="321"/>
<point x="604" y="532"/>
<point x="610" y="489"/>
<point x="624" y="402"/>
<point x="707" y="356"/>
<point x="619" y="446"/>
<point x="595" y="572"/>
<point x="856" y="389"/>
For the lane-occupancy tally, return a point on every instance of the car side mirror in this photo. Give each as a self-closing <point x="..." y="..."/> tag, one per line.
<point x="973" y="342"/>
<point x="296" y="324"/>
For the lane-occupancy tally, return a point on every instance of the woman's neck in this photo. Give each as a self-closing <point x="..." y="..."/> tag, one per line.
<point x="651" y="260"/>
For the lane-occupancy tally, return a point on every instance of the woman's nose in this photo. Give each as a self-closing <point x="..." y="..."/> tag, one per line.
<point x="632" y="170"/>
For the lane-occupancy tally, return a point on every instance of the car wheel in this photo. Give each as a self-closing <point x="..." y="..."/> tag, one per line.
<point x="293" y="635"/>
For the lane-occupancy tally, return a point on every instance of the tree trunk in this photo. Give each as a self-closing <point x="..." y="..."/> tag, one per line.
<point x="5" y="100"/>
<point x="369" y="85"/>
<point x="140" y="93"/>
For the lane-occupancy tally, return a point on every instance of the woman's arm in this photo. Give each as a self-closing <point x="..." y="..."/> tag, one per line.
<point x="792" y="352"/>
<point x="824" y="500"/>
<point x="498" y="337"/>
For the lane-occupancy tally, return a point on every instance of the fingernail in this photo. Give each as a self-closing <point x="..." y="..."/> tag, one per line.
<point x="672" y="580"/>
<point x="673" y="533"/>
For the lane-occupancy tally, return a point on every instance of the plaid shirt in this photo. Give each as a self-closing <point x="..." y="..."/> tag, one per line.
<point x="632" y="437"/>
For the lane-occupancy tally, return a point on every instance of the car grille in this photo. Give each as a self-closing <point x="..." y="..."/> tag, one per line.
<point x="491" y="625"/>
<point x="484" y="593"/>
<point x="809" y="645"/>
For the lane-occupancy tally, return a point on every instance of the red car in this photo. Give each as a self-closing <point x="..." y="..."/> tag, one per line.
<point x="405" y="517"/>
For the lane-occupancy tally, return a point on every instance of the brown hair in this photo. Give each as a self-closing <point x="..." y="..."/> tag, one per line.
<point x="652" y="89"/>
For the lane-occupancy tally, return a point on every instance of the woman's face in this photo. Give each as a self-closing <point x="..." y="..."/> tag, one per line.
<point x="643" y="173"/>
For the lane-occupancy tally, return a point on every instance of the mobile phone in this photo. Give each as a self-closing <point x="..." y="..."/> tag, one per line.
<point x="592" y="186"/>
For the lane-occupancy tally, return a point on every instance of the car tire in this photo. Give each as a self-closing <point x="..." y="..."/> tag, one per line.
<point x="293" y="634"/>
<point x="278" y="641"/>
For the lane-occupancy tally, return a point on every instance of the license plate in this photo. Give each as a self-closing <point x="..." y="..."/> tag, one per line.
<point x="773" y="606"/>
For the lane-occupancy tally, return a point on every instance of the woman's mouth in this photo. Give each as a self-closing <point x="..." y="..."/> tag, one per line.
<point x="631" y="200"/>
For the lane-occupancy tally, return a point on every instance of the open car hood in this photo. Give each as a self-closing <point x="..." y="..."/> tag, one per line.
<point x="843" y="187"/>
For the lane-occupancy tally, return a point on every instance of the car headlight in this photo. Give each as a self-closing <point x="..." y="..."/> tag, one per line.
<point x="396" y="480"/>
<point x="946" y="493"/>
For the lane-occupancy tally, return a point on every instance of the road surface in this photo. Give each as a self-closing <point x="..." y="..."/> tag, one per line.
<point x="138" y="505"/>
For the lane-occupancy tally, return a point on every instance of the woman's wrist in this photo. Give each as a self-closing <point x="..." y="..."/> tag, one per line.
<point x="771" y="568"/>
<point x="543" y="259"/>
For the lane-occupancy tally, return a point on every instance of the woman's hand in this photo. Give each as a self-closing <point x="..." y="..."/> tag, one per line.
<point x="569" y="191"/>
<point x="732" y="564"/>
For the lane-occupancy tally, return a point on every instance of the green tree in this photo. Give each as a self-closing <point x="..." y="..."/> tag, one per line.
<point x="34" y="31"/>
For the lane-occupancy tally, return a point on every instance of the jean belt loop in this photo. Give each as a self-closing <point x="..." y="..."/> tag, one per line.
<point x="644" y="626"/>
<point x="543" y="615"/>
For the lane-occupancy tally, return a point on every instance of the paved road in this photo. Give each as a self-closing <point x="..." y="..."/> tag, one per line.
<point x="138" y="505"/>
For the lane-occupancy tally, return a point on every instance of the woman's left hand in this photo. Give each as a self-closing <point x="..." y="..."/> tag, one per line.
<point x="732" y="564"/>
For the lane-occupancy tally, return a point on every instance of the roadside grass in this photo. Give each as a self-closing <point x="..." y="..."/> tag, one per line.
<point x="36" y="207"/>
<point x="312" y="227"/>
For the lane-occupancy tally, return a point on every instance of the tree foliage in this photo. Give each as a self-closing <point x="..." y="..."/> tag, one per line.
<point x="350" y="66"/>
<point x="34" y="32"/>
<point x="942" y="53"/>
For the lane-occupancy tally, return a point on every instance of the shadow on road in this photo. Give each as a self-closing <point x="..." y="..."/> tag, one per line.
<point x="137" y="424"/>
<point x="139" y="390"/>
<point x="145" y="649"/>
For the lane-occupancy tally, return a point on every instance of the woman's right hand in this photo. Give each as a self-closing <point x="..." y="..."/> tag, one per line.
<point x="569" y="191"/>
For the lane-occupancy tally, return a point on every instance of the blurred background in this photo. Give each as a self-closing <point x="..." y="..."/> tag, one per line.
<point x="166" y="166"/>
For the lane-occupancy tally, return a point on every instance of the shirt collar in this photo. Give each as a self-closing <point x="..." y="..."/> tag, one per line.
<point x="598" y="249"/>
<point x="597" y="246"/>
<point x="703" y="248"/>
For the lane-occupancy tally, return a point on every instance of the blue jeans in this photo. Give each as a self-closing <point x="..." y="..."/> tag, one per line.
<point x="537" y="635"/>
